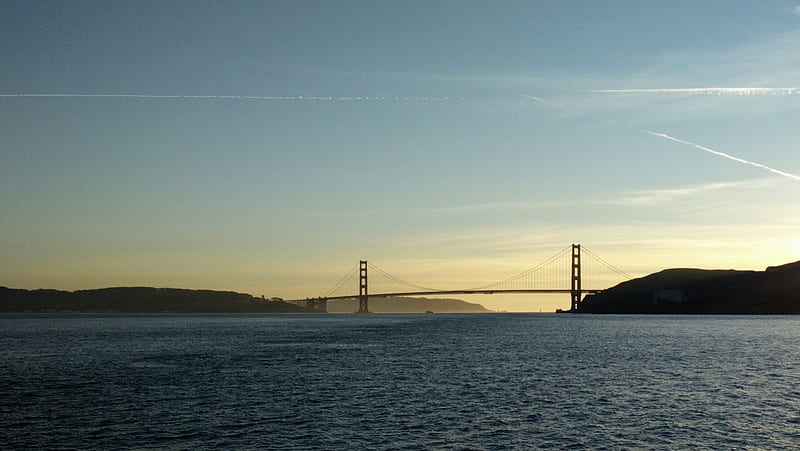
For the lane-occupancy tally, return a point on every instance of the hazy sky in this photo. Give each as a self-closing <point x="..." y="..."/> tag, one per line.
<point x="452" y="143"/>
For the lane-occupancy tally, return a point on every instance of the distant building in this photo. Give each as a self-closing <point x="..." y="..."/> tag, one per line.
<point x="317" y="305"/>
<point x="311" y="305"/>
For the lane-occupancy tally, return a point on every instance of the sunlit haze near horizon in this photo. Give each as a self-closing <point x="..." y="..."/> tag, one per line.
<point x="266" y="147"/>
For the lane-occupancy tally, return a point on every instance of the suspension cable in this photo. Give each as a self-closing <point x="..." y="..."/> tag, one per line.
<point x="607" y="264"/>
<point x="528" y="272"/>
<point x="523" y="274"/>
<point x="341" y="282"/>
<point x="401" y="281"/>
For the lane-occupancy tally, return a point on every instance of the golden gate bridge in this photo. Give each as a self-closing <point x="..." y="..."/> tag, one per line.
<point x="565" y="273"/>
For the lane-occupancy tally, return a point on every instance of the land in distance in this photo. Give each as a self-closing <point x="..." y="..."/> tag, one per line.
<point x="139" y="300"/>
<point x="175" y="300"/>
<point x="407" y="305"/>
<point x="775" y="290"/>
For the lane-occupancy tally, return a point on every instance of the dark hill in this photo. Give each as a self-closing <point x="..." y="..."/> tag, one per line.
<point x="138" y="300"/>
<point x="773" y="291"/>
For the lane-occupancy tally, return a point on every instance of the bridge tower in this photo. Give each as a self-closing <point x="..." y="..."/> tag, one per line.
<point x="363" y="297"/>
<point x="575" y="288"/>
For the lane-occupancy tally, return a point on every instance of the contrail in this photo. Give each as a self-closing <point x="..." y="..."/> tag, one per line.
<point x="702" y="91"/>
<point x="723" y="154"/>
<point x="681" y="141"/>
<point x="541" y="100"/>
<point x="232" y="97"/>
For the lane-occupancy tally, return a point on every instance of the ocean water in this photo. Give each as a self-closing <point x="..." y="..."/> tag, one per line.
<point x="480" y="381"/>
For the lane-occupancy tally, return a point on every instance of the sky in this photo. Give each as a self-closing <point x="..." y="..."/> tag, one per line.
<point x="268" y="146"/>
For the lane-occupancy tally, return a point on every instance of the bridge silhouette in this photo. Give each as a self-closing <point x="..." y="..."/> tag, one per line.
<point x="563" y="273"/>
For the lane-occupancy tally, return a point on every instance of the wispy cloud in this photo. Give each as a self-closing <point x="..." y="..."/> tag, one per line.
<point x="501" y="206"/>
<point x="660" y="196"/>
<point x="770" y="62"/>
<point x="752" y="79"/>
<point x="452" y="209"/>
<point x="642" y="198"/>
<point x="666" y="242"/>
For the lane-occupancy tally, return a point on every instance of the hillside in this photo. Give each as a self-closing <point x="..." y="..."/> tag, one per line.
<point x="407" y="305"/>
<point x="138" y="300"/>
<point x="773" y="291"/>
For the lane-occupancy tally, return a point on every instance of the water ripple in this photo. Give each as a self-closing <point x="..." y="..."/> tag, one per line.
<point x="398" y="382"/>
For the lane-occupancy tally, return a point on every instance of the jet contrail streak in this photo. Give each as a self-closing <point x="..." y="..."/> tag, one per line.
<point x="541" y="100"/>
<point x="723" y="154"/>
<point x="230" y="97"/>
<point x="702" y="91"/>
<point x="681" y="141"/>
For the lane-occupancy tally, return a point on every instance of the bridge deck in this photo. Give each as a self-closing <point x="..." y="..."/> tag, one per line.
<point x="422" y="293"/>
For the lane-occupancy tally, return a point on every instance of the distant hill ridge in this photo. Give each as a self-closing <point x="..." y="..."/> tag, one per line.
<point x="407" y="305"/>
<point x="775" y="290"/>
<point x="138" y="300"/>
<point x="177" y="300"/>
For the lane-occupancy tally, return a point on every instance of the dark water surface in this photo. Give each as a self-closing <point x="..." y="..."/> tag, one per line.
<point x="482" y="381"/>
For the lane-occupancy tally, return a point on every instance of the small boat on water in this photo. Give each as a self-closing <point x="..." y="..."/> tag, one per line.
<point x="428" y="312"/>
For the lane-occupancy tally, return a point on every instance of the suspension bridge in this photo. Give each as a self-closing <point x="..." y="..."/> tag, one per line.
<point x="563" y="273"/>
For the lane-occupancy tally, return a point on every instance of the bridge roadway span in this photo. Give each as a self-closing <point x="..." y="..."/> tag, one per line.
<point x="576" y="291"/>
<point x="422" y="293"/>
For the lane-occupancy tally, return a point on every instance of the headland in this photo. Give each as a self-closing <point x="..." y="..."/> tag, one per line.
<point x="775" y="290"/>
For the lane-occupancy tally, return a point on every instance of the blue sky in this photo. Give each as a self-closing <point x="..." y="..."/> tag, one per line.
<point x="451" y="143"/>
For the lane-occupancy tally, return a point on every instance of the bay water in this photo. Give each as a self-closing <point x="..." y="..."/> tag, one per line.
<point x="442" y="381"/>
